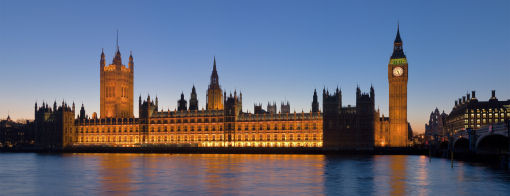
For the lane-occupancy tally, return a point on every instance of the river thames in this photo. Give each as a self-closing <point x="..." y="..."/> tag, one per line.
<point x="238" y="174"/>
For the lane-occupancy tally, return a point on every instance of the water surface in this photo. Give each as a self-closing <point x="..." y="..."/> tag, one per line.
<point x="235" y="174"/>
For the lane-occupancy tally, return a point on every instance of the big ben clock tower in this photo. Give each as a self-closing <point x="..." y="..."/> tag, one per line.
<point x="397" y="78"/>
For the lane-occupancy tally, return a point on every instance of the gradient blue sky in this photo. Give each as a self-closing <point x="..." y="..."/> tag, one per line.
<point x="270" y="50"/>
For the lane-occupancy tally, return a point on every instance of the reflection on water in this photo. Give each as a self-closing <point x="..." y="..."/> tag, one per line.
<point x="398" y="175"/>
<point x="149" y="174"/>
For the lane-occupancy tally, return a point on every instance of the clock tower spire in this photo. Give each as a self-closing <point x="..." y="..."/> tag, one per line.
<point x="397" y="78"/>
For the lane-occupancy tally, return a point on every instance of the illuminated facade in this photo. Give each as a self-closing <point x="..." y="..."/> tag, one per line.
<point x="203" y="128"/>
<point x="468" y="112"/>
<point x="397" y="78"/>
<point x="116" y="91"/>
<point x="214" y="92"/>
<point x="223" y="124"/>
<point x="381" y="130"/>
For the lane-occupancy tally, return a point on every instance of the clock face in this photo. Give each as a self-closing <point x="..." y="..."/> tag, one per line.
<point x="398" y="71"/>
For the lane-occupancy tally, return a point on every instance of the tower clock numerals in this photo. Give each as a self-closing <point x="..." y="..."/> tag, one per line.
<point x="398" y="71"/>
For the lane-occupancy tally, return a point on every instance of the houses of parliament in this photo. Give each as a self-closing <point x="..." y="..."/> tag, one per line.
<point x="224" y="123"/>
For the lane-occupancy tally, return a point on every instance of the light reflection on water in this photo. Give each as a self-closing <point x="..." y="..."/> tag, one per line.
<point x="220" y="174"/>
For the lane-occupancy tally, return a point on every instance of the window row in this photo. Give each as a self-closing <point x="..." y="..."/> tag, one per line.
<point x="197" y="138"/>
<point x="199" y="120"/>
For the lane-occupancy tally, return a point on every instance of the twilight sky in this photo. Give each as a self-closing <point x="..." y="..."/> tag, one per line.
<point x="270" y="50"/>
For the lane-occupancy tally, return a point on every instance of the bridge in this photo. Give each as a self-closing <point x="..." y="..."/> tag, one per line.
<point x="488" y="140"/>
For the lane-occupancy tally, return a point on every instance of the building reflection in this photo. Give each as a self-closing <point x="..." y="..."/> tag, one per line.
<point x="115" y="173"/>
<point x="391" y="174"/>
<point x="397" y="166"/>
<point x="349" y="175"/>
<point x="421" y="176"/>
<point x="245" y="174"/>
<point x="216" y="174"/>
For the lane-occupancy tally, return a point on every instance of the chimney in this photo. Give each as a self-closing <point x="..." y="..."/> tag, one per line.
<point x="468" y="97"/>
<point x="473" y="94"/>
<point x="460" y="101"/>
<point x="493" y="94"/>
<point x="456" y="103"/>
<point x="463" y="99"/>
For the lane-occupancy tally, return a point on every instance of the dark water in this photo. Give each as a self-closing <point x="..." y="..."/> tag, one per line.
<point x="199" y="174"/>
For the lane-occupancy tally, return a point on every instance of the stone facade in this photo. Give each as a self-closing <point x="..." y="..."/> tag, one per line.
<point x="116" y="93"/>
<point x="214" y="92"/>
<point x="217" y="126"/>
<point x="436" y="127"/>
<point x="397" y="78"/>
<point x="351" y="127"/>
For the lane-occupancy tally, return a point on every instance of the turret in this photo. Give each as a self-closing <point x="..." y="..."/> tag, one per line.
<point x="358" y="93"/>
<point x="271" y="108"/>
<point x="233" y="106"/>
<point x="157" y="103"/>
<point x="82" y="112"/>
<point x="146" y="108"/>
<point x="372" y="92"/>
<point x="493" y="95"/>
<point x="182" y="103"/>
<point x="315" y="102"/>
<point x="193" y="101"/>
<point x="131" y="63"/>
<point x="139" y="100"/>
<point x="102" y="62"/>
<point x="285" y="107"/>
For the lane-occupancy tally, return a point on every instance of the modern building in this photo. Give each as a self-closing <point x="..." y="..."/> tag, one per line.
<point x="469" y="112"/>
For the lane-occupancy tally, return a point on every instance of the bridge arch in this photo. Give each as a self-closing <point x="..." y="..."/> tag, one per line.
<point x="492" y="144"/>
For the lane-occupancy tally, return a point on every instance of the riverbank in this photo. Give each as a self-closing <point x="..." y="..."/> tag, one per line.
<point x="221" y="150"/>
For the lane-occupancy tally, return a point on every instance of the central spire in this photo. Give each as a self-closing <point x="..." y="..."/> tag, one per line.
<point x="117" y="40"/>
<point x="397" y="39"/>
<point x="398" y="51"/>
<point x="117" y="60"/>
<point x="214" y="75"/>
